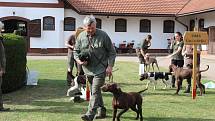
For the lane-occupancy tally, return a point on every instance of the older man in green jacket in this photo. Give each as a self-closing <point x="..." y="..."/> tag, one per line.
<point x="95" y="52"/>
<point x="2" y="68"/>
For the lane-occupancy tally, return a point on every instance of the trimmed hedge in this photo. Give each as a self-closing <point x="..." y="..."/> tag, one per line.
<point x="15" y="50"/>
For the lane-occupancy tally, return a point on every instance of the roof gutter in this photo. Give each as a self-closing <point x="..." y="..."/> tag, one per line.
<point x="176" y="16"/>
<point x="176" y="19"/>
<point x="197" y="12"/>
<point x="126" y="14"/>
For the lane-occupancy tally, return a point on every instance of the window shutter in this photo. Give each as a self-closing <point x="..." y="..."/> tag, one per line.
<point x="35" y="28"/>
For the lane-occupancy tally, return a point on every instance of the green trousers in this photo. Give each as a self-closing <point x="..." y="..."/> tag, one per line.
<point x="96" y="100"/>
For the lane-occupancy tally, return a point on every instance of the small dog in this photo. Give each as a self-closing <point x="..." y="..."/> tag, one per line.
<point x="154" y="76"/>
<point x="123" y="100"/>
<point x="182" y="73"/>
<point x="79" y="81"/>
<point x="150" y="61"/>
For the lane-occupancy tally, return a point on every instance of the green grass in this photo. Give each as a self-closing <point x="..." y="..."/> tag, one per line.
<point x="48" y="101"/>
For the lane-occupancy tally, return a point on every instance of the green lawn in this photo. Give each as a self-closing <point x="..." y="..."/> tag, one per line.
<point x="48" y="101"/>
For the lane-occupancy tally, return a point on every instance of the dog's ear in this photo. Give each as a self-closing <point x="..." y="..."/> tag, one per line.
<point x="114" y="85"/>
<point x="143" y="76"/>
<point x="119" y="89"/>
<point x="170" y="68"/>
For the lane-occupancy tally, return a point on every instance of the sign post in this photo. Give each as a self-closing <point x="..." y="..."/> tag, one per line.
<point x="194" y="71"/>
<point x="195" y="38"/>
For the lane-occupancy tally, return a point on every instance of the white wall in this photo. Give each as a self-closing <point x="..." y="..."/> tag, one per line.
<point x="79" y="23"/>
<point x="159" y="39"/>
<point x="31" y="1"/>
<point x="48" y="39"/>
<point x="209" y="19"/>
<point x="55" y="39"/>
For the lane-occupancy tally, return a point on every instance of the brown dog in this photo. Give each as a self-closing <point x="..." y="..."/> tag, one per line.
<point x="182" y="73"/>
<point x="123" y="100"/>
<point x="150" y="61"/>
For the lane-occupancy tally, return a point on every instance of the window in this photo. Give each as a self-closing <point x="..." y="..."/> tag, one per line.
<point x="169" y="26"/>
<point x="120" y="25"/>
<point x="145" y="25"/>
<point x="69" y="24"/>
<point x="98" y="23"/>
<point x="192" y="25"/>
<point x="35" y="26"/>
<point x="201" y="24"/>
<point x="48" y="23"/>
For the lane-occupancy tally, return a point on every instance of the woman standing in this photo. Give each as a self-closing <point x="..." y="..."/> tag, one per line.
<point x="177" y="57"/>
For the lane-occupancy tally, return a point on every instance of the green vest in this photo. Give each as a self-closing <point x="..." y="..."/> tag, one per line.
<point x="179" y="55"/>
<point x="100" y="49"/>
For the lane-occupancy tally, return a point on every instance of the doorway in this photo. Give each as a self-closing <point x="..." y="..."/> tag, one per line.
<point x="17" y="25"/>
<point x="211" y="45"/>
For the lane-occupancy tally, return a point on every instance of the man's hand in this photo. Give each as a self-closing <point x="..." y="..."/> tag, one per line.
<point x="109" y="71"/>
<point x="81" y="62"/>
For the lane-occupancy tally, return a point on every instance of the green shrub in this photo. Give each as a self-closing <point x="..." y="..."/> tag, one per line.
<point x="15" y="50"/>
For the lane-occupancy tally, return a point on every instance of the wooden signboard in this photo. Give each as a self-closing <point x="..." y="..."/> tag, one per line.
<point x="195" y="38"/>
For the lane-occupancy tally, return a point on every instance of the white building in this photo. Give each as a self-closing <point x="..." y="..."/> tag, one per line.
<point x="47" y="24"/>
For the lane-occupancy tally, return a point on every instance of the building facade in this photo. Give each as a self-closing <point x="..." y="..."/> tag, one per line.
<point x="47" y="24"/>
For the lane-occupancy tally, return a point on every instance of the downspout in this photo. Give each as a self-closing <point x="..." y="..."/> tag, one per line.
<point x="176" y="16"/>
<point x="176" y="19"/>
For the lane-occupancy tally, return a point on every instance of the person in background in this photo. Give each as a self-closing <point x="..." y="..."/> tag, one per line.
<point x="95" y="52"/>
<point x="187" y="52"/>
<point x="70" y="43"/>
<point x="2" y="68"/>
<point x="139" y="55"/>
<point x="79" y="67"/>
<point x="177" y="57"/>
<point x="145" y="44"/>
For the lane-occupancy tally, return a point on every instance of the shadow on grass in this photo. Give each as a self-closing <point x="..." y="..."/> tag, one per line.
<point x="52" y="110"/>
<point x="175" y="119"/>
<point x="163" y="119"/>
<point x="129" y="84"/>
<point x="45" y="90"/>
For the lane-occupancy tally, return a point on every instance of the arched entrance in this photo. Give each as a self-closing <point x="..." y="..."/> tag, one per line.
<point x="17" y="24"/>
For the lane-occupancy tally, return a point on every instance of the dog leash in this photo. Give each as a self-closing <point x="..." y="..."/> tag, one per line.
<point x="111" y="76"/>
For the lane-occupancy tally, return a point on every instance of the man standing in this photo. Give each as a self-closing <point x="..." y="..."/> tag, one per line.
<point x="97" y="59"/>
<point x="2" y="68"/>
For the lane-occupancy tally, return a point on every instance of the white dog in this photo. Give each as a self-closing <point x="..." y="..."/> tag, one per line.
<point x="79" y="82"/>
<point x="154" y="76"/>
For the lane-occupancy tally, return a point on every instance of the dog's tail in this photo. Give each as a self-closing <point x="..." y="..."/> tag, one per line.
<point x="143" y="90"/>
<point x="204" y="69"/>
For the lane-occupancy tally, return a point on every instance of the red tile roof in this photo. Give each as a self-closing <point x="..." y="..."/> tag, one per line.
<point x="198" y="6"/>
<point x="141" y="7"/>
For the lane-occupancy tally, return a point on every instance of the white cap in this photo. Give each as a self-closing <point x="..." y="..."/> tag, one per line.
<point x="89" y="20"/>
